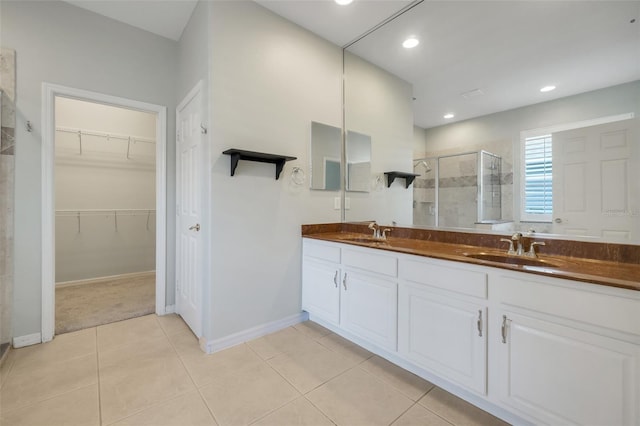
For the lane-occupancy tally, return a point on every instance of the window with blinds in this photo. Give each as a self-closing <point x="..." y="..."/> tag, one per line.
<point x="538" y="183"/>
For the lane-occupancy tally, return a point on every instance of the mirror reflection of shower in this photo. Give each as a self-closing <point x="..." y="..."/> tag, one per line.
<point x="460" y="190"/>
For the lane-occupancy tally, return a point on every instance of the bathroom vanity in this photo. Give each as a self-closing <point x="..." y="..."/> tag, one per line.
<point x="556" y="341"/>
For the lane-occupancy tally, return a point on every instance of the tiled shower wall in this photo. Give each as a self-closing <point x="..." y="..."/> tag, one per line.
<point x="7" y="143"/>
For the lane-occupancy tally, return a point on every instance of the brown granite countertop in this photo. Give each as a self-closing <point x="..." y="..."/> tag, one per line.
<point x="594" y="271"/>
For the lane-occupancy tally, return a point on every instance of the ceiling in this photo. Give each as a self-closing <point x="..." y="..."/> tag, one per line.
<point x="166" y="18"/>
<point x="475" y="57"/>
<point x="481" y="57"/>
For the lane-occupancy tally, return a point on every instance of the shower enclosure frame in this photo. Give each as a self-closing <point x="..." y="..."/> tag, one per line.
<point x="480" y="163"/>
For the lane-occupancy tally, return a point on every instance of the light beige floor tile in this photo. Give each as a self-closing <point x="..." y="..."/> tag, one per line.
<point x="136" y="383"/>
<point x="346" y="348"/>
<point x="313" y="330"/>
<point x="6" y="366"/>
<point x="311" y="368"/>
<point x="299" y="413"/>
<point x="114" y="355"/>
<point x="247" y="395"/>
<point x="406" y="382"/>
<point x="206" y="368"/>
<point x="184" y="410"/>
<point x="30" y="385"/>
<point x="358" y="398"/>
<point x="75" y="408"/>
<point x="458" y="411"/>
<point x="285" y="341"/>
<point x="61" y="349"/>
<point x="133" y="331"/>
<point x="186" y="344"/>
<point x="172" y="324"/>
<point x="420" y="416"/>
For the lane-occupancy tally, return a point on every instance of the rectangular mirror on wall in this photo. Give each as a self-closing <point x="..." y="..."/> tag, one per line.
<point x="325" y="156"/>
<point x="358" y="149"/>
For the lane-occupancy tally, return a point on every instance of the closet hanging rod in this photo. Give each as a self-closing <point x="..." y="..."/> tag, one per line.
<point x="106" y="211"/>
<point x="106" y="135"/>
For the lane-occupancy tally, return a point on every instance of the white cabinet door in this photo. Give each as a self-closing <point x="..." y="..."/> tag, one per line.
<point x="320" y="290"/>
<point x="561" y="375"/>
<point x="443" y="334"/>
<point x="369" y="308"/>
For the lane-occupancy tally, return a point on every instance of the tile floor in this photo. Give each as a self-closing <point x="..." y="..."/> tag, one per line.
<point x="149" y="371"/>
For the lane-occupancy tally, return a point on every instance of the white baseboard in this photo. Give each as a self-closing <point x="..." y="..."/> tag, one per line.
<point x="27" y="340"/>
<point x="98" y="280"/>
<point x="216" y="345"/>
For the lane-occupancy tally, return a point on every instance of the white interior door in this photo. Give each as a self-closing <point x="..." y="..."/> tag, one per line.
<point x="595" y="181"/>
<point x="189" y="195"/>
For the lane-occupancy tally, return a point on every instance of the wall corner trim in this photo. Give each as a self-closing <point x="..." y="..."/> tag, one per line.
<point x="27" y="340"/>
<point x="216" y="345"/>
<point x="169" y="309"/>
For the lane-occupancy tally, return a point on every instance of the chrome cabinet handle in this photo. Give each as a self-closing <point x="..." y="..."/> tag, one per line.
<point x="335" y="279"/>
<point x="504" y="329"/>
<point x="195" y="227"/>
<point x="344" y="281"/>
<point x="480" y="322"/>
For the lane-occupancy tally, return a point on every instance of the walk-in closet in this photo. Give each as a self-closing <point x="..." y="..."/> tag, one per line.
<point x="104" y="214"/>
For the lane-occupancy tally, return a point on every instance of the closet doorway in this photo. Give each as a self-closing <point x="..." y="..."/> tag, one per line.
<point x="106" y="218"/>
<point x="105" y="214"/>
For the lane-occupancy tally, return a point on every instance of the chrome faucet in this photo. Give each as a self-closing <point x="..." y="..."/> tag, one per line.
<point x="377" y="234"/>
<point x="516" y="249"/>
<point x="532" y="248"/>
<point x="376" y="230"/>
<point x="517" y="238"/>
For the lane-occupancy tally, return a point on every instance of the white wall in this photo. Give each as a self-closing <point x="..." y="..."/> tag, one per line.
<point x="379" y="104"/>
<point x="270" y="79"/>
<point x="59" y="43"/>
<point x="106" y="243"/>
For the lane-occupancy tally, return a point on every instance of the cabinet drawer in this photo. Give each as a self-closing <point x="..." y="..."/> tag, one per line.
<point x="371" y="262"/>
<point x="549" y="296"/>
<point x="472" y="283"/>
<point x="320" y="250"/>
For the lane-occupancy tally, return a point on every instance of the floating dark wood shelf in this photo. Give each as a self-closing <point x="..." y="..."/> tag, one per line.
<point x="408" y="177"/>
<point x="261" y="157"/>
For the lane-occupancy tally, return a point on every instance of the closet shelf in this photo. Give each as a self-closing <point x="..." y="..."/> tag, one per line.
<point x="408" y="177"/>
<point x="261" y="157"/>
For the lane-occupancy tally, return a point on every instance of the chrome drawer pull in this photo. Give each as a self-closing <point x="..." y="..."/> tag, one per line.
<point x="504" y="329"/>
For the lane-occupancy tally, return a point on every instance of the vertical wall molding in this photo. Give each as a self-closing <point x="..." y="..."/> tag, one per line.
<point x="49" y="92"/>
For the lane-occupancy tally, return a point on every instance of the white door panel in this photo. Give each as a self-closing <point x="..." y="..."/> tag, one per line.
<point x="189" y="193"/>
<point x="595" y="181"/>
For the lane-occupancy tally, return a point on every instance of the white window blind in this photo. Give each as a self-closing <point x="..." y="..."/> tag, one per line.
<point x="538" y="183"/>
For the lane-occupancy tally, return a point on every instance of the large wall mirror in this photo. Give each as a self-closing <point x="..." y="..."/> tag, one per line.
<point x="550" y="91"/>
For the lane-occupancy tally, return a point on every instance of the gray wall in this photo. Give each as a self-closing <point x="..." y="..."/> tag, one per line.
<point x="62" y="44"/>
<point x="270" y="80"/>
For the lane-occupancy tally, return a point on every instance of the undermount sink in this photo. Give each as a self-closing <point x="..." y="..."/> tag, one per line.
<point x="512" y="260"/>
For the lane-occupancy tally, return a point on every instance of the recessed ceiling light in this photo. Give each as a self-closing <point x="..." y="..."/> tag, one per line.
<point x="410" y="42"/>
<point x="343" y="2"/>
<point x="448" y="115"/>
<point x="547" y="88"/>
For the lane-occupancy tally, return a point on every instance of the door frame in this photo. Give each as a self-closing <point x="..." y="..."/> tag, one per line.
<point x="49" y="93"/>
<point x="205" y="206"/>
